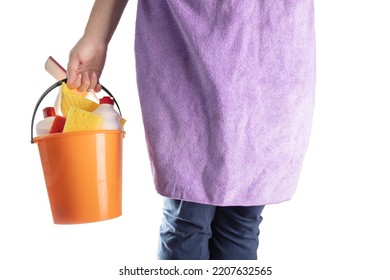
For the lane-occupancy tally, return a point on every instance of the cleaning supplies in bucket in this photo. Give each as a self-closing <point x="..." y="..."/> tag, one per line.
<point x="80" y="114"/>
<point x="82" y="167"/>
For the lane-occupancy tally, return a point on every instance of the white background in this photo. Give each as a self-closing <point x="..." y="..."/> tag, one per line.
<point x="335" y="227"/>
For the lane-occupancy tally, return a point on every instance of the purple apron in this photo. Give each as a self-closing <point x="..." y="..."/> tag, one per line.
<point x="227" y="95"/>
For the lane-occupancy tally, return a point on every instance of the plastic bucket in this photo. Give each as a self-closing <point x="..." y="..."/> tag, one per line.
<point x="83" y="172"/>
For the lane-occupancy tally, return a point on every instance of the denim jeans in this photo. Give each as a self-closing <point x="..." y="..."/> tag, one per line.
<point x="192" y="231"/>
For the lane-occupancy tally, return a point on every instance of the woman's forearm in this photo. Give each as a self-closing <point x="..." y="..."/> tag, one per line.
<point x="104" y="19"/>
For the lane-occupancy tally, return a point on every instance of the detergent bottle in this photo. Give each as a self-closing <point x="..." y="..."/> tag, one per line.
<point x="111" y="118"/>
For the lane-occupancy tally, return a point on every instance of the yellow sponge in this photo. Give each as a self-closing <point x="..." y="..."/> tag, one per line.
<point x="65" y="88"/>
<point x="69" y="99"/>
<point x="81" y="120"/>
<point x="123" y="121"/>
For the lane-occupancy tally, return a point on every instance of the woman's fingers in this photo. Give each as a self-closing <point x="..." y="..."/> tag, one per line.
<point x="77" y="82"/>
<point x="83" y="82"/>
<point x="93" y="81"/>
<point x="97" y="88"/>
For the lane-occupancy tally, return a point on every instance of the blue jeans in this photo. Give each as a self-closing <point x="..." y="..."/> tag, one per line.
<point x="192" y="231"/>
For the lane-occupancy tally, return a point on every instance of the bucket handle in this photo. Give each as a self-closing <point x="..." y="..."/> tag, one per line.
<point x="57" y="84"/>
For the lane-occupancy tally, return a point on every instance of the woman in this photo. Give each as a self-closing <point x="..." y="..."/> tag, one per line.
<point x="227" y="94"/>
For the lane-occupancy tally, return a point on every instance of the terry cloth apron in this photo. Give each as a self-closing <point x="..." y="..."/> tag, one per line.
<point x="227" y="93"/>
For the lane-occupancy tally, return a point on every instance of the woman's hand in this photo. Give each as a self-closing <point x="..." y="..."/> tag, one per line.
<point x="86" y="63"/>
<point x="87" y="57"/>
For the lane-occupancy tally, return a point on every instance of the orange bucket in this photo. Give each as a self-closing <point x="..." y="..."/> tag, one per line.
<point x="83" y="173"/>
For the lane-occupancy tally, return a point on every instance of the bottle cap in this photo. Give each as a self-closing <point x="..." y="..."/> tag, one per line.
<point x="49" y="112"/>
<point x="106" y="100"/>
